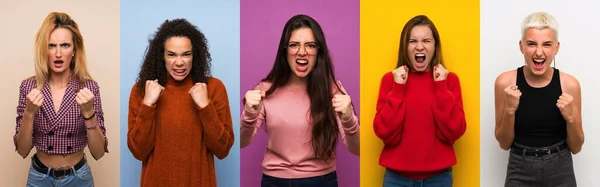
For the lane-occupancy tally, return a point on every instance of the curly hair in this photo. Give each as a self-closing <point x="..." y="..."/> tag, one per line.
<point x="153" y="66"/>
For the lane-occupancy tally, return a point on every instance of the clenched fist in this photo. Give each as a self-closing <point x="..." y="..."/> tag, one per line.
<point x="342" y="106"/>
<point x="512" y="96"/>
<point x="400" y="74"/>
<point x="85" y="100"/>
<point x="35" y="98"/>
<point x="152" y="92"/>
<point x="567" y="109"/>
<point x="253" y="100"/>
<point x="440" y="73"/>
<point x="199" y="94"/>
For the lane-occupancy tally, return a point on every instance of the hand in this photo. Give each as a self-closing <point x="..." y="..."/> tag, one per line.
<point x="199" y="94"/>
<point x="440" y="73"/>
<point x="35" y="98"/>
<point x="342" y="106"/>
<point x="400" y="74"/>
<point x="85" y="100"/>
<point x="567" y="109"/>
<point x="152" y="92"/>
<point x="253" y="99"/>
<point x="512" y="96"/>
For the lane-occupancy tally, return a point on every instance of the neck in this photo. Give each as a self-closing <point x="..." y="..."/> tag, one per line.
<point x="60" y="80"/>
<point x="547" y="76"/>
<point x="297" y="81"/>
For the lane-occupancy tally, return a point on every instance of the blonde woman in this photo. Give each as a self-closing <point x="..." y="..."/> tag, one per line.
<point x="538" y="111"/>
<point x="59" y="110"/>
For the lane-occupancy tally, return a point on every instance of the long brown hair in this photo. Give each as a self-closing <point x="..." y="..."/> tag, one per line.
<point x="403" y="58"/>
<point x="320" y="82"/>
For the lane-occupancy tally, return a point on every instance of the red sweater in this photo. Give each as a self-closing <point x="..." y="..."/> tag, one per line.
<point x="419" y="122"/>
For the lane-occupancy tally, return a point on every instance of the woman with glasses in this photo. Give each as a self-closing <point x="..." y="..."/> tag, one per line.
<point x="303" y="109"/>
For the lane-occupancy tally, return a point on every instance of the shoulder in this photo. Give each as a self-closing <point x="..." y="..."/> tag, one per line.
<point x="338" y="88"/>
<point x="28" y="84"/>
<point x="452" y="77"/>
<point x="569" y="83"/>
<point x="215" y="84"/>
<point x="387" y="77"/>
<point x="506" y="79"/>
<point x="91" y="84"/>
<point x="264" y="86"/>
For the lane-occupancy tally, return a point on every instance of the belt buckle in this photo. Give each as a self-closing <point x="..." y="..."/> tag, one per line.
<point x="64" y="173"/>
<point x="542" y="152"/>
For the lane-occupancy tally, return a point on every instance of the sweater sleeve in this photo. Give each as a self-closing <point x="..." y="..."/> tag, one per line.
<point x="251" y="122"/>
<point x="389" y="119"/>
<point x="141" y="134"/>
<point x="216" y="121"/>
<point x="448" y="109"/>
<point x="349" y="130"/>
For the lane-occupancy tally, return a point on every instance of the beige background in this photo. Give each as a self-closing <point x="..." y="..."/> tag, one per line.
<point x="99" y="24"/>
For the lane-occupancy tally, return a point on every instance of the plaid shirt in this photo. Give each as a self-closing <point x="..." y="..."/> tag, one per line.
<point x="63" y="132"/>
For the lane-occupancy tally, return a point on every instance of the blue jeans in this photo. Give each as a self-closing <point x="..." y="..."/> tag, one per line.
<point x="328" y="180"/>
<point x="79" y="178"/>
<point x="393" y="179"/>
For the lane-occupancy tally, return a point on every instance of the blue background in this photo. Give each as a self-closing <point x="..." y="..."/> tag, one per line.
<point x="220" y="23"/>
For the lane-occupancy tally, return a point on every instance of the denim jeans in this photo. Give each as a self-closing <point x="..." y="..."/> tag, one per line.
<point x="328" y="180"/>
<point x="79" y="178"/>
<point x="393" y="179"/>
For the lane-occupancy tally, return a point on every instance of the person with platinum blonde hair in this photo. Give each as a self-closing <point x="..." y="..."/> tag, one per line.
<point x="538" y="111"/>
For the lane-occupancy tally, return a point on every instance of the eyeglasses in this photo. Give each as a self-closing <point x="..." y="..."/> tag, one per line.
<point x="310" y="48"/>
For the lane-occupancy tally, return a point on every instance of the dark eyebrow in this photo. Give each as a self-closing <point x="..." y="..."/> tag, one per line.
<point x="181" y="53"/>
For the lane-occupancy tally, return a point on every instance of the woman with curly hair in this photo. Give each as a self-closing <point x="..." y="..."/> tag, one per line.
<point x="179" y="116"/>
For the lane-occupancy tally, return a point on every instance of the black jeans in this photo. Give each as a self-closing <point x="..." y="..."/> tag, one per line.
<point x="328" y="180"/>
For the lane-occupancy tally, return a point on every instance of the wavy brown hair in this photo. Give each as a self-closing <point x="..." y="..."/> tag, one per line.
<point x="320" y="82"/>
<point x="153" y="66"/>
<point x="403" y="58"/>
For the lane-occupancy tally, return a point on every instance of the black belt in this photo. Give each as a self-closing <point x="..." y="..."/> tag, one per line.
<point x="40" y="167"/>
<point x="537" y="152"/>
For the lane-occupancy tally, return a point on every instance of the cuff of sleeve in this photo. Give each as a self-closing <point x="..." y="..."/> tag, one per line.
<point x="350" y="126"/>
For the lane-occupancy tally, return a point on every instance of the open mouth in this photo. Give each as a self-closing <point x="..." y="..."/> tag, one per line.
<point x="301" y="65"/>
<point x="302" y="62"/>
<point x="539" y="62"/>
<point x="58" y="63"/>
<point x="420" y="57"/>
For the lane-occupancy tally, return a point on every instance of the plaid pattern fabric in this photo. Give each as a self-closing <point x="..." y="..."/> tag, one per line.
<point x="63" y="132"/>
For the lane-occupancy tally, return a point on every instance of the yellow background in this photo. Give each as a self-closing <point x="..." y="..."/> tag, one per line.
<point x="380" y="27"/>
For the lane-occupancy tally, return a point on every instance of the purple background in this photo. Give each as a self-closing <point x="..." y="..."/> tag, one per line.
<point x="262" y="23"/>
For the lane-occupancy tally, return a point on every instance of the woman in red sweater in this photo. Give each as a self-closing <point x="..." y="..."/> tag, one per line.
<point x="419" y="111"/>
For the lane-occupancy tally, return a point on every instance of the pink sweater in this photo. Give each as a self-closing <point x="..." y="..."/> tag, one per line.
<point x="285" y="115"/>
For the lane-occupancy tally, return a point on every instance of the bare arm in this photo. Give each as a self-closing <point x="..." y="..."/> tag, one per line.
<point x="504" y="113"/>
<point x="572" y="92"/>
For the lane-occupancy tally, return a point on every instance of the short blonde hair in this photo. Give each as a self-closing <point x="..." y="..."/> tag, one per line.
<point x="78" y="65"/>
<point x="539" y="20"/>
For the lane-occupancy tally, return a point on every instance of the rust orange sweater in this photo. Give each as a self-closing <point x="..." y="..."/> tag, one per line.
<point x="176" y="140"/>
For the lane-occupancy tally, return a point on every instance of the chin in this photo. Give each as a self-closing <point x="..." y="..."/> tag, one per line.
<point x="538" y="72"/>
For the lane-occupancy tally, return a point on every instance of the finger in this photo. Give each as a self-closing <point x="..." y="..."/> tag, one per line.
<point x="78" y="100"/>
<point x="338" y="109"/>
<point x="263" y="94"/>
<point x="37" y="99"/>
